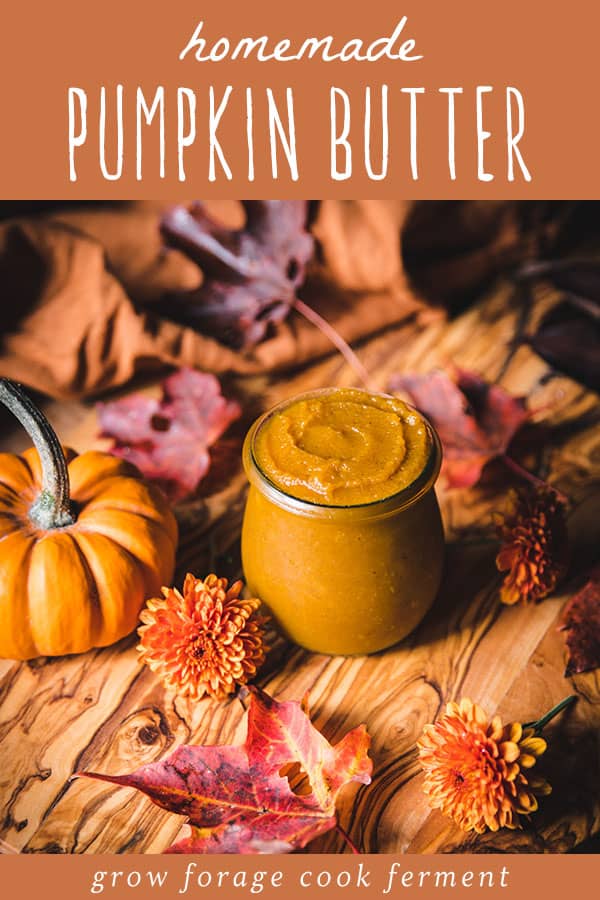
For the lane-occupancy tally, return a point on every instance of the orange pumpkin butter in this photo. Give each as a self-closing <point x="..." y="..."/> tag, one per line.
<point x="342" y="537"/>
<point x="84" y="541"/>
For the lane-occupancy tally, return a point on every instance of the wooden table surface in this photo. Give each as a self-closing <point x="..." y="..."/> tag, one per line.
<point x="104" y="712"/>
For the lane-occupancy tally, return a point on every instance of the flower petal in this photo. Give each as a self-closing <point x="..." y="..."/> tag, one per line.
<point x="534" y="745"/>
<point x="509" y="751"/>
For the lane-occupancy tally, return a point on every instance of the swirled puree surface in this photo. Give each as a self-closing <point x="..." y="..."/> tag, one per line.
<point x="343" y="447"/>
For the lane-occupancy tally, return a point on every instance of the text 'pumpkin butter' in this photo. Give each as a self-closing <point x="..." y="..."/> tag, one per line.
<point x="84" y="541"/>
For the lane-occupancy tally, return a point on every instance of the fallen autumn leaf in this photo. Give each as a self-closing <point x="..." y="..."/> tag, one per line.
<point x="475" y="420"/>
<point x="168" y="438"/>
<point x="250" y="274"/>
<point x="236" y="798"/>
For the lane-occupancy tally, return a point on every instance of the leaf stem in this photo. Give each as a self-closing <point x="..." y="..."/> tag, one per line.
<point x="544" y="267"/>
<point x="519" y="470"/>
<point x="336" y="339"/>
<point x="541" y="723"/>
<point x="347" y="839"/>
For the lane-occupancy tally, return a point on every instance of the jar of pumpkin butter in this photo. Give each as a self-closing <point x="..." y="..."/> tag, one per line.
<point x="342" y="536"/>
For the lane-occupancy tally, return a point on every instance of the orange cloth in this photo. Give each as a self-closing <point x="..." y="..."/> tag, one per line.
<point x="77" y="290"/>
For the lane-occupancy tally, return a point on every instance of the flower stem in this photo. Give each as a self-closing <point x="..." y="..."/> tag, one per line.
<point x="347" y="839"/>
<point x="541" y="723"/>
<point x="52" y="508"/>
<point x="336" y="339"/>
<point x="519" y="470"/>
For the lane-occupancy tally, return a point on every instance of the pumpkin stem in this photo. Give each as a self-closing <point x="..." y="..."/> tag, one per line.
<point x="52" y="509"/>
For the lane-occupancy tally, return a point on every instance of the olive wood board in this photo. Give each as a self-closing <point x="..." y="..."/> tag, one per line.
<point x="103" y="711"/>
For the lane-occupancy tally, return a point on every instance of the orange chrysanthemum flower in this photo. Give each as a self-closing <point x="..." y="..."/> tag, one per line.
<point x="534" y="550"/>
<point x="207" y="640"/>
<point x="477" y="772"/>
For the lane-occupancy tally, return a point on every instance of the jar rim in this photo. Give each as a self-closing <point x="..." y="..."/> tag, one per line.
<point x="380" y="508"/>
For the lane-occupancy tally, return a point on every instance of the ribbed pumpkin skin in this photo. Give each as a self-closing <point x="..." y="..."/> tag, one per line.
<point x="68" y="589"/>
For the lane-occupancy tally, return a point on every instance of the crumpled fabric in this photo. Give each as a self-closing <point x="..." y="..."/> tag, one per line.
<point x="78" y="287"/>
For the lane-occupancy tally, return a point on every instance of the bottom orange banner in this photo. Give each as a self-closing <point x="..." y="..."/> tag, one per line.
<point x="304" y="876"/>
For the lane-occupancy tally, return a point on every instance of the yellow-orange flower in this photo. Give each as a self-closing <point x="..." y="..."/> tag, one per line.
<point x="478" y="772"/>
<point x="206" y="640"/>
<point x="534" y="551"/>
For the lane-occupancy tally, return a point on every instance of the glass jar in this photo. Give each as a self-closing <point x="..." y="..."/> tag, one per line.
<point x="349" y="579"/>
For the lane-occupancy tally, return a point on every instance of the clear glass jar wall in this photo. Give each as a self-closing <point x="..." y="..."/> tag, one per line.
<point x="348" y="579"/>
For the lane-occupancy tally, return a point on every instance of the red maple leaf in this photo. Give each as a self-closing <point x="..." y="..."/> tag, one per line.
<point x="238" y="799"/>
<point x="168" y="438"/>
<point x="250" y="274"/>
<point x="475" y="420"/>
<point x="581" y="620"/>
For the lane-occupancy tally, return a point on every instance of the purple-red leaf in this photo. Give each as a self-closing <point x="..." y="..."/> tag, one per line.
<point x="581" y="621"/>
<point x="475" y="420"/>
<point x="238" y="799"/>
<point x="168" y="438"/>
<point x="568" y="338"/>
<point x="250" y="274"/>
<point x="580" y="277"/>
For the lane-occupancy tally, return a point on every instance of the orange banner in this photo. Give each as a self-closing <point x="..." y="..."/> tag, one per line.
<point x="301" y="877"/>
<point x="423" y="99"/>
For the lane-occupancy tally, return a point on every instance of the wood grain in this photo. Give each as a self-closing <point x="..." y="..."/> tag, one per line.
<point x="102" y="711"/>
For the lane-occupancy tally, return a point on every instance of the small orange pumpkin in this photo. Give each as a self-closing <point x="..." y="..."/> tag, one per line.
<point x="84" y="541"/>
